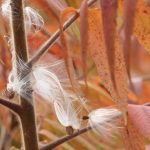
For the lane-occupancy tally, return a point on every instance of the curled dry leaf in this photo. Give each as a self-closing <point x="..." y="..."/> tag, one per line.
<point x="68" y="55"/>
<point x="65" y="46"/>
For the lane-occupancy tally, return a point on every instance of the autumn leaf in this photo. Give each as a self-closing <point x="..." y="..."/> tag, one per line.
<point x="65" y="46"/>
<point x="132" y="139"/>
<point x="140" y="61"/>
<point x="109" y="13"/>
<point x="129" y="7"/>
<point x="84" y="37"/>
<point x="142" y="21"/>
<point x="140" y="116"/>
<point x="97" y="49"/>
<point x="99" y="55"/>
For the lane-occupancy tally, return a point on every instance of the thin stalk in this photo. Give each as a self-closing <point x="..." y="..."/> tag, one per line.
<point x="10" y="105"/>
<point x="65" y="139"/>
<point x="27" y="114"/>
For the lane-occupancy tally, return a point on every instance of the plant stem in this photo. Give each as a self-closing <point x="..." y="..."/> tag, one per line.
<point x="28" y="122"/>
<point x="45" y="32"/>
<point x="55" y="36"/>
<point x="27" y="115"/>
<point x="65" y="139"/>
<point x="12" y="106"/>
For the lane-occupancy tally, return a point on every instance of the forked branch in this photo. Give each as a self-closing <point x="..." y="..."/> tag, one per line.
<point x="10" y="105"/>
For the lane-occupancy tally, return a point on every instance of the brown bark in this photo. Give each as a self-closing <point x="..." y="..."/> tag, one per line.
<point x="27" y="115"/>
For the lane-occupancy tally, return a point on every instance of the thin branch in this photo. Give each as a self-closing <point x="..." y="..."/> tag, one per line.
<point x="10" y="105"/>
<point x="45" y="32"/>
<point x="65" y="139"/>
<point x="55" y="36"/>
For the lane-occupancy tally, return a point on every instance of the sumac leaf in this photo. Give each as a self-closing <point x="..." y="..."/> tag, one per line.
<point x="109" y="13"/>
<point x="65" y="46"/>
<point x="132" y="139"/>
<point x="84" y="37"/>
<point x="129" y="7"/>
<point x="140" y="116"/>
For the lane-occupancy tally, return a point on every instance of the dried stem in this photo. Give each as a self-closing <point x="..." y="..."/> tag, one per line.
<point x="55" y="36"/>
<point x="10" y="105"/>
<point x="65" y="139"/>
<point x="45" y="32"/>
<point x="27" y="114"/>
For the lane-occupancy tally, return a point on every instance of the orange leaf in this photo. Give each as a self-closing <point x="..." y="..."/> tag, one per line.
<point x="84" y="37"/>
<point x="142" y="24"/>
<point x="131" y="138"/>
<point x="141" y="60"/>
<point x="68" y="55"/>
<point x="140" y="116"/>
<point x="109" y="13"/>
<point x="99" y="55"/>
<point x="128" y="16"/>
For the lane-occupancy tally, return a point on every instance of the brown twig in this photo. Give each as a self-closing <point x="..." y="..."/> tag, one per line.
<point x="45" y="32"/>
<point x="55" y="36"/>
<point x="65" y="139"/>
<point x="10" y="105"/>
